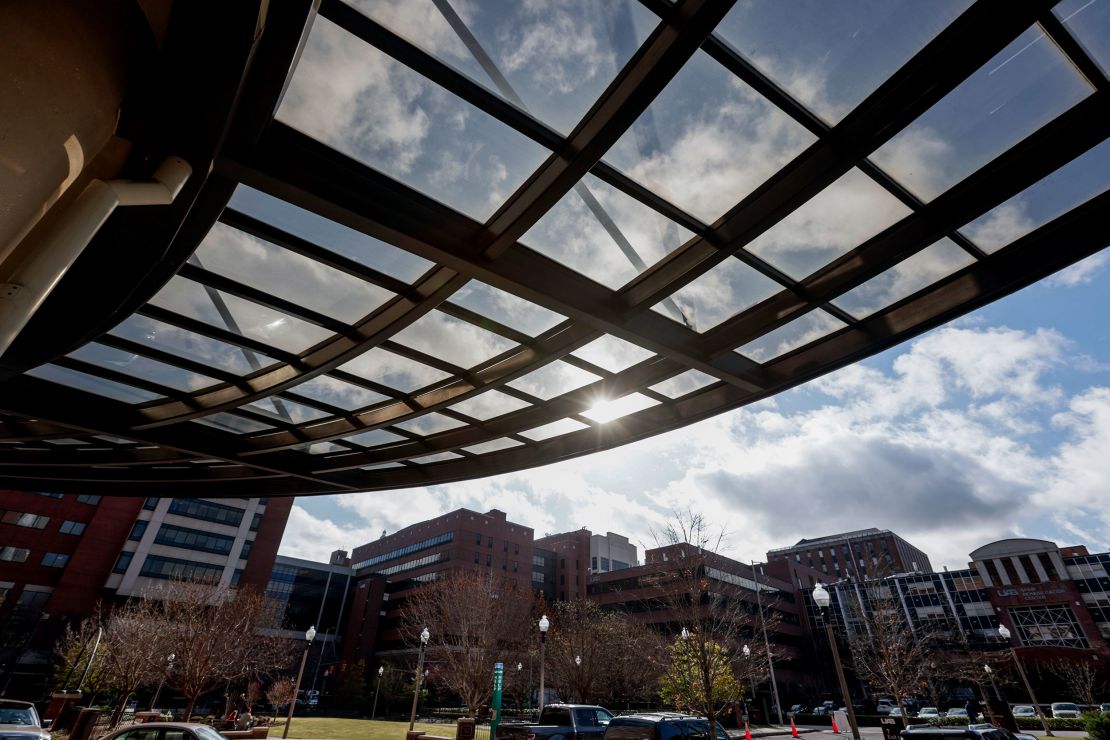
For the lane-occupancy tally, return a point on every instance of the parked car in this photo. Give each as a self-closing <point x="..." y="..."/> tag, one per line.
<point x="895" y="712"/>
<point x="1024" y="710"/>
<point x="929" y="713"/>
<point x="661" y="726"/>
<point x="883" y="706"/>
<point x="1066" y="710"/>
<point x="972" y="732"/>
<point x="957" y="712"/>
<point x="561" y="722"/>
<point x="165" y="731"/>
<point x="20" y="721"/>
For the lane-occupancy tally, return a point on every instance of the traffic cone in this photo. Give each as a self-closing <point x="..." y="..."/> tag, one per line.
<point x="793" y="728"/>
<point x="747" y="732"/>
<point x="835" y="728"/>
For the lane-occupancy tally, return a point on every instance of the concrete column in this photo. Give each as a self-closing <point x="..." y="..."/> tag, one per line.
<point x="1022" y="575"/>
<point x="981" y="569"/>
<point x="1058" y="561"/>
<point x="1001" y="569"/>
<point x="1037" y="566"/>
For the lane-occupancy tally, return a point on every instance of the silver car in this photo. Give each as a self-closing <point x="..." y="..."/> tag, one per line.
<point x="1066" y="710"/>
<point x="20" y="721"/>
<point x="165" y="731"/>
<point x="1025" y="710"/>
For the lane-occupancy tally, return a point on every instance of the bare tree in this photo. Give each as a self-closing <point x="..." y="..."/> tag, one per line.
<point x="81" y="655"/>
<point x="1081" y="676"/>
<point x="280" y="692"/>
<point x="713" y="612"/>
<point x="214" y="634"/>
<point x="886" y="652"/>
<point x="475" y="620"/>
<point x="130" y="640"/>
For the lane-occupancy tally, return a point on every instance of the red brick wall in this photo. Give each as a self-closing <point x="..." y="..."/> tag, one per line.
<point x="266" y="542"/>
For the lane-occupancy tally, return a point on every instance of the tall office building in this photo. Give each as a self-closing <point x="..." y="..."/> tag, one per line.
<point x="61" y="555"/>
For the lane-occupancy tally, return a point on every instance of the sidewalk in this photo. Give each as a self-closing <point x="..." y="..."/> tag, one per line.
<point x="769" y="732"/>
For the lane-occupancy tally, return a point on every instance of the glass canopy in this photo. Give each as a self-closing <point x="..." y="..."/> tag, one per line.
<point x="457" y="239"/>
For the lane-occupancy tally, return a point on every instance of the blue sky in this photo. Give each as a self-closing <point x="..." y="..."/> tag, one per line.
<point x="992" y="426"/>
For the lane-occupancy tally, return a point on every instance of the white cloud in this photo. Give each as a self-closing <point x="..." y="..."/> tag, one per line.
<point x="1082" y="272"/>
<point x="944" y="447"/>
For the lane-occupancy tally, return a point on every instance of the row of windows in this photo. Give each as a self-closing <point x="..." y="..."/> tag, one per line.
<point x="410" y="565"/>
<point x="439" y="539"/>
<point x="21" y="554"/>
<point x="83" y="499"/>
<point x="156" y="566"/>
<point x="489" y="561"/>
<point x="208" y="511"/>
<point x="20" y="519"/>
<point x="194" y="539"/>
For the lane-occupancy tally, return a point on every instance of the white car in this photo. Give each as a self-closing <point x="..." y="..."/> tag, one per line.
<point x="1024" y="710"/>
<point x="1066" y="710"/>
<point x="20" y="721"/>
<point x="929" y="713"/>
<point x="895" y="712"/>
<point x="165" y="731"/>
<point x="956" y="712"/>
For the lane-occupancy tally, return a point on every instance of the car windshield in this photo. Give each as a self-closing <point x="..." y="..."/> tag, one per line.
<point x="10" y="715"/>
<point x="1066" y="707"/>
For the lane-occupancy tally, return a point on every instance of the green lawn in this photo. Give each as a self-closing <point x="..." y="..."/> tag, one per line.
<point x="328" y="728"/>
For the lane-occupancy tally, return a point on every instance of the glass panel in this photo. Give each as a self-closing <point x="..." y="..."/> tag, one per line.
<point x="836" y="220"/>
<point x="723" y="292"/>
<point x="353" y="97"/>
<point x="380" y="466"/>
<point x="323" y="232"/>
<point x="447" y="338"/>
<point x="618" y="407"/>
<point x="1025" y="86"/>
<point x="401" y="373"/>
<point x="85" y="382"/>
<point x="284" y="410"/>
<point x="285" y="274"/>
<point x="232" y="423"/>
<point x="489" y="404"/>
<point x="904" y="279"/>
<point x="553" y="379"/>
<point x="506" y="308"/>
<point x="604" y="234"/>
<point x="430" y="424"/>
<point x="374" y="438"/>
<point x="438" y="457"/>
<point x="339" y="393"/>
<point x="193" y="300"/>
<point x="191" y="346"/>
<point x="612" y="354"/>
<point x="797" y="333"/>
<point x="322" y="448"/>
<point x="838" y="52"/>
<point x="1076" y="182"/>
<point x="556" y="57"/>
<point x="687" y="382"/>
<point x="1089" y="21"/>
<point x="141" y="367"/>
<point x="554" y="429"/>
<point x="493" y="445"/>
<point x="707" y="141"/>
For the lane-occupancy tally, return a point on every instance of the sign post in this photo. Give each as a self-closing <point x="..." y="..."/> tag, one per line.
<point x="495" y="704"/>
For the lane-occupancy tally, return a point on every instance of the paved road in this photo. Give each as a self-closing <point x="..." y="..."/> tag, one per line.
<point x="876" y="733"/>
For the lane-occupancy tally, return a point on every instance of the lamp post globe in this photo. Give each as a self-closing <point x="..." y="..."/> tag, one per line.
<point x="685" y="634"/>
<point x="578" y="660"/>
<point x="381" y="670"/>
<point x="821" y="596"/>
<point x="545" y="624"/>
<point x="1003" y="632"/>
<point x="747" y="652"/>
<point x="310" y="634"/>
<point x="425" y="636"/>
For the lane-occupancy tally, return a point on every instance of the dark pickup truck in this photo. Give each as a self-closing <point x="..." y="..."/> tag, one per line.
<point x="561" y="722"/>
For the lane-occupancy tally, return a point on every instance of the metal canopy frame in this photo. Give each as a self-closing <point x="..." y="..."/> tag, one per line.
<point x="66" y="439"/>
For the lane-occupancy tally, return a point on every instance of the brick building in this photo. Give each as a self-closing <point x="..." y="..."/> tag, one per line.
<point x="571" y="553"/>
<point x="387" y="569"/>
<point x="60" y="555"/>
<point x="864" y="553"/>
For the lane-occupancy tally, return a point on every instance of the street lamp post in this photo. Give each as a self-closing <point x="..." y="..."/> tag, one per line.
<point x="169" y="667"/>
<point x="990" y="677"/>
<point x="747" y="656"/>
<point x="544" y="625"/>
<point x="821" y="598"/>
<point x="1005" y="635"/>
<point x="311" y="633"/>
<point x="424" y="637"/>
<point x="374" y="711"/>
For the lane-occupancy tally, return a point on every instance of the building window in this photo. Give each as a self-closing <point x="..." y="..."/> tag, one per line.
<point x="516" y="566"/>
<point x="207" y="511"/>
<point x="194" y="539"/>
<point x="504" y="563"/>
<point x="1053" y="625"/>
<point x="256" y="520"/>
<point x="19" y="519"/>
<point x="439" y="539"/>
<point x="489" y="560"/>
<point x="593" y="563"/>
<point x="14" y="554"/>
<point x="490" y="541"/>
<point x="605" y="564"/>
<point x="245" y="550"/>
<point x="156" y="566"/>
<point x="477" y="557"/>
<point x="235" y="576"/>
<point x="55" y="560"/>
<point x="151" y="503"/>
<point x="137" y="530"/>
<point x="537" y="577"/>
<point x="539" y="560"/>
<point x="123" y="561"/>
<point x="91" y="500"/>
<point x="71" y="527"/>
<point x="562" y="579"/>
<point x="51" y="495"/>
<point x="516" y="548"/>
<point x="478" y="538"/>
